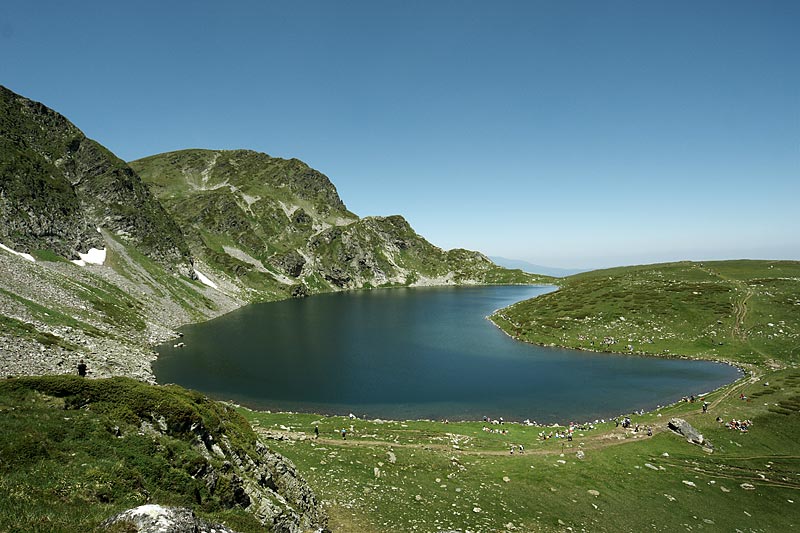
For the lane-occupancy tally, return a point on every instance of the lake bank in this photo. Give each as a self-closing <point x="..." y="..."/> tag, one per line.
<point x="416" y="353"/>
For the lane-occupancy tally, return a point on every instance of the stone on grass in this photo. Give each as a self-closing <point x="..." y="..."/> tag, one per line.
<point x="158" y="519"/>
<point x="682" y="427"/>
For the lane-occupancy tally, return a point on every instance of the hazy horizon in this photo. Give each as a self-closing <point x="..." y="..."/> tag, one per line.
<point x="569" y="135"/>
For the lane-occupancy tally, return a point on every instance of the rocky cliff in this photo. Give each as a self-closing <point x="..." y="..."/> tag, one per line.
<point x="58" y="188"/>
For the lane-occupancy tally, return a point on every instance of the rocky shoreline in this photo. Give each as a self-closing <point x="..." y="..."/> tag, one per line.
<point x="34" y="342"/>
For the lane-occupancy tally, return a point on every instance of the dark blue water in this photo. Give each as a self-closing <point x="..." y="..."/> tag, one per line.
<point x="416" y="353"/>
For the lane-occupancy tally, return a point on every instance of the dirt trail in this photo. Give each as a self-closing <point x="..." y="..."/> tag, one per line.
<point x="741" y="313"/>
<point x="590" y="442"/>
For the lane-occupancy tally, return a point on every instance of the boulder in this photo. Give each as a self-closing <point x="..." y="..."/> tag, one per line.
<point x="682" y="427"/>
<point x="157" y="519"/>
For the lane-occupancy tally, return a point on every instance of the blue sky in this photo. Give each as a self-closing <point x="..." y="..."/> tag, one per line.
<point x="571" y="134"/>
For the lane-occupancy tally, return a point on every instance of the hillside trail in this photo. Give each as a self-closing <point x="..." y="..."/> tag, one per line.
<point x="739" y="305"/>
<point x="587" y="442"/>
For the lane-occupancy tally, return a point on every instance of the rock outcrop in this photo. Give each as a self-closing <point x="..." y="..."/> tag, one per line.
<point x="682" y="427"/>
<point x="159" y="519"/>
<point x="58" y="188"/>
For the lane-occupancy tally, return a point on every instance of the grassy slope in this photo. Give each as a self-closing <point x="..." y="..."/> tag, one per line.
<point x="544" y="494"/>
<point x="65" y="469"/>
<point x="741" y="311"/>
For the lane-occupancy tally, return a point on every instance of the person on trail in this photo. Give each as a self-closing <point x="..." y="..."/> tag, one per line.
<point x="82" y="369"/>
<point x="344" y="434"/>
<point x="705" y="407"/>
<point x="316" y="432"/>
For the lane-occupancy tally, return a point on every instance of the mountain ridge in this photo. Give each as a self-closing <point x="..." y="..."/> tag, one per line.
<point x="292" y="232"/>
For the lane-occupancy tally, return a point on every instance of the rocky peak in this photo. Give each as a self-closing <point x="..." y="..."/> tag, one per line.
<point x="57" y="188"/>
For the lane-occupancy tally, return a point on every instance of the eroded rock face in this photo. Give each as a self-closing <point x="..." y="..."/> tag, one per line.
<point x="57" y="187"/>
<point x="265" y="483"/>
<point x="158" y="519"/>
<point x="682" y="427"/>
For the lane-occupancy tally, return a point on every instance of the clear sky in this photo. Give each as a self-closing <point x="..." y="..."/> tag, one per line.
<point x="571" y="134"/>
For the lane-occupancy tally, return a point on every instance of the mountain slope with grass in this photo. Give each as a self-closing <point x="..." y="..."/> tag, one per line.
<point x="740" y="311"/>
<point x="274" y="227"/>
<point x="98" y="447"/>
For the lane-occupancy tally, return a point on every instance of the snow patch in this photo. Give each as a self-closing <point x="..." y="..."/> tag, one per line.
<point x="92" y="257"/>
<point x="204" y="280"/>
<point x="29" y="257"/>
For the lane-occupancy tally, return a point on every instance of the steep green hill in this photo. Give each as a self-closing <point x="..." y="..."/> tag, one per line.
<point x="76" y="451"/>
<point x="277" y="227"/>
<point x="742" y="311"/>
<point x="57" y="188"/>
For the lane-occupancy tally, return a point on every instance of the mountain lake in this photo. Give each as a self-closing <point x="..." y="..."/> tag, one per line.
<point x="421" y="353"/>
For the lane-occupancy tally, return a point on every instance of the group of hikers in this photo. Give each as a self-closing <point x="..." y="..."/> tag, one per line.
<point x="741" y="425"/>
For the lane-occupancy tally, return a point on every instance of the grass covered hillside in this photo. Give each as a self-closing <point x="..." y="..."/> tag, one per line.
<point x="275" y="228"/>
<point x="76" y="451"/>
<point x="741" y="311"/>
<point x="426" y="476"/>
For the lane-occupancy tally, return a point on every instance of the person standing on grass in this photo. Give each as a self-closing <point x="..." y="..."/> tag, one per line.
<point x="82" y="369"/>
<point x="316" y="431"/>
<point x="344" y="434"/>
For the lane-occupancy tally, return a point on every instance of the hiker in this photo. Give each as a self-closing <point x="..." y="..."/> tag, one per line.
<point x="316" y="432"/>
<point x="705" y="407"/>
<point x="649" y="431"/>
<point x="521" y="449"/>
<point x="344" y="434"/>
<point x="82" y="369"/>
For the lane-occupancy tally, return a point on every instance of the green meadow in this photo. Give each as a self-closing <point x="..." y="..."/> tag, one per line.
<point x="436" y="476"/>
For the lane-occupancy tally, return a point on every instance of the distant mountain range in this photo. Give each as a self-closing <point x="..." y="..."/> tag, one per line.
<point x="536" y="269"/>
